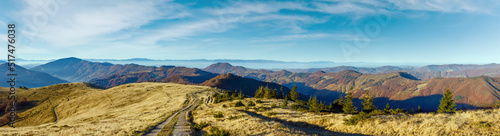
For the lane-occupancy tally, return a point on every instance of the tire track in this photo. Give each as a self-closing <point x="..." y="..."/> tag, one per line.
<point x="183" y="126"/>
<point x="55" y="113"/>
<point x="157" y="129"/>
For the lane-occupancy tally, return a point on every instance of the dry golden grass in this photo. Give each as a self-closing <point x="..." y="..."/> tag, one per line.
<point x="133" y="108"/>
<point x="240" y="122"/>
<point x="44" y="99"/>
<point x="123" y="110"/>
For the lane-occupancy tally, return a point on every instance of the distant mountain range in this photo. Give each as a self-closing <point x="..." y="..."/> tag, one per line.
<point x="424" y="73"/>
<point x="388" y="87"/>
<point x="78" y="70"/>
<point x="28" y="78"/>
<point x="181" y="75"/>
<point x="474" y="86"/>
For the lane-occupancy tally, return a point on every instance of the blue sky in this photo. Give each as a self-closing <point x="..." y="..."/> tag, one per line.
<point x="386" y="31"/>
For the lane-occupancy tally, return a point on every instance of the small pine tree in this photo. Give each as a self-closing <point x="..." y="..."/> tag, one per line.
<point x="447" y="104"/>
<point x="387" y="108"/>
<point x="313" y="104"/>
<point x="368" y="103"/>
<point x="497" y="105"/>
<point x="348" y="106"/>
<point x="240" y="95"/>
<point x="260" y="92"/>
<point x="294" y="95"/>
<point x="233" y="96"/>
<point x="339" y="101"/>
<point x="270" y="93"/>
<point x="419" y="109"/>
<point x="285" y="102"/>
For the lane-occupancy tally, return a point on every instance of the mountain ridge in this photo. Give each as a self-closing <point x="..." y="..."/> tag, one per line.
<point x="29" y="78"/>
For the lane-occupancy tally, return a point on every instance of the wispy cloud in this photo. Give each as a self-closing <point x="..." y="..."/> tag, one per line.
<point x="447" y="6"/>
<point x="294" y="37"/>
<point x="80" y="22"/>
<point x="247" y="7"/>
<point x="343" y="8"/>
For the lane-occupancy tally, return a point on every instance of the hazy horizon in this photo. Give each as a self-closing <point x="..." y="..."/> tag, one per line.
<point x="259" y="64"/>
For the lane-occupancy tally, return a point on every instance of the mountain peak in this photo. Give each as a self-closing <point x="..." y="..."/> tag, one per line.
<point x="407" y="75"/>
<point x="222" y="68"/>
<point x="319" y="72"/>
<point x="221" y="65"/>
<point x="349" y="71"/>
<point x="71" y="58"/>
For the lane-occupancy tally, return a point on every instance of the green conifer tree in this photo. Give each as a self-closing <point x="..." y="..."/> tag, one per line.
<point x="447" y="104"/>
<point x="313" y="104"/>
<point x="368" y="103"/>
<point x="294" y="95"/>
<point x="285" y="102"/>
<point x="348" y="106"/>
<point x="387" y="108"/>
<point x="260" y="92"/>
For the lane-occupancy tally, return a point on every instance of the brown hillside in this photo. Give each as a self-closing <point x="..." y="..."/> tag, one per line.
<point x="175" y="74"/>
<point x="236" y="83"/>
<point x="78" y="70"/>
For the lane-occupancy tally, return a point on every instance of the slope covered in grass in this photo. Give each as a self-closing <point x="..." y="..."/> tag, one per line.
<point x="261" y="119"/>
<point x="123" y="110"/>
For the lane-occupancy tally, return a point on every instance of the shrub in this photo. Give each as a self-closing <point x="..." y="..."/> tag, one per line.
<point x="232" y="117"/>
<point x="238" y="104"/>
<point x="220" y="97"/>
<point x="497" y="105"/>
<point x="482" y="124"/>
<point x="246" y="108"/>
<point x="262" y="108"/>
<point x="240" y="95"/>
<point x="396" y="111"/>
<point x="215" y="131"/>
<point x="271" y="113"/>
<point x="298" y="107"/>
<point x="279" y="126"/>
<point x="258" y="101"/>
<point x="285" y="102"/>
<point x="218" y="115"/>
<point x="273" y="105"/>
<point x="266" y="92"/>
<point x="377" y="112"/>
<point x="353" y="120"/>
<point x="201" y="125"/>
<point x="224" y="106"/>
<point x="250" y="103"/>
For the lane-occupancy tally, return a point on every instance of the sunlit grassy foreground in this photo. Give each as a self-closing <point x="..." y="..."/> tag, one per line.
<point x="123" y="110"/>
<point x="284" y="121"/>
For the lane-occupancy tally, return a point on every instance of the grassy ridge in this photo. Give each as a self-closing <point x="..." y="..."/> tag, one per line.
<point x="123" y="110"/>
